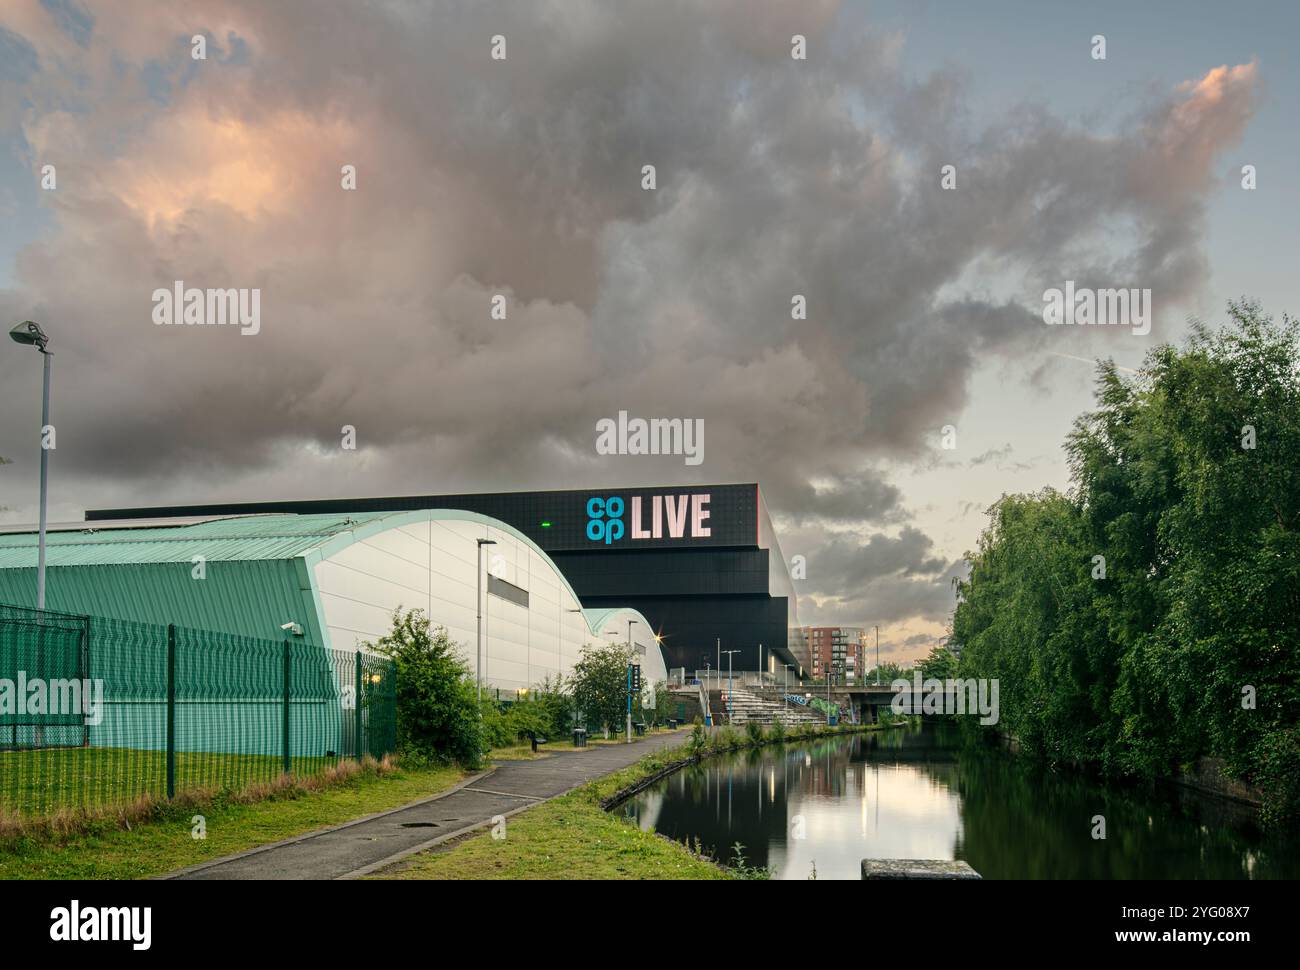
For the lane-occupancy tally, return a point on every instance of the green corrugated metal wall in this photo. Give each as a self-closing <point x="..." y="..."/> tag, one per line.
<point x="255" y="579"/>
<point x="250" y="598"/>
<point x="248" y="537"/>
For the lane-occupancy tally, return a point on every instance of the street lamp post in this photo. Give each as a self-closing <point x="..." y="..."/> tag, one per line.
<point x="788" y="668"/>
<point x="731" y="688"/>
<point x="32" y="335"/>
<point x="478" y="611"/>
<point x="576" y="725"/>
<point x="631" y="653"/>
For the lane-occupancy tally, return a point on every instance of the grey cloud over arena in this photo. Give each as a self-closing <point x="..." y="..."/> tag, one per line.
<point x="521" y="177"/>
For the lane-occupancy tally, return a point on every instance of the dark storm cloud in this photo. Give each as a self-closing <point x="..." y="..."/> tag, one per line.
<point x="856" y="498"/>
<point x="522" y="177"/>
<point x="888" y="578"/>
<point x="849" y="563"/>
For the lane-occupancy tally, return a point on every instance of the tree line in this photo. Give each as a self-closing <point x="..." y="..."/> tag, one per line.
<point x="1150" y="616"/>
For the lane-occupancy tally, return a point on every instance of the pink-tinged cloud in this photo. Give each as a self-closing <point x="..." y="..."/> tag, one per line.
<point x="522" y="178"/>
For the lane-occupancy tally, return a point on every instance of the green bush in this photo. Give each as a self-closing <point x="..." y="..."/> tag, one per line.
<point x="776" y="732"/>
<point x="505" y="725"/>
<point x="436" y="721"/>
<point x="699" y="740"/>
<point x="755" y="732"/>
<point x="1277" y="773"/>
<point x="727" y="739"/>
<point x="496" y="731"/>
<point x="554" y="698"/>
<point x="526" y="718"/>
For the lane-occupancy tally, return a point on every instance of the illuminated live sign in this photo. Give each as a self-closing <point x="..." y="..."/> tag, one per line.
<point x="649" y="517"/>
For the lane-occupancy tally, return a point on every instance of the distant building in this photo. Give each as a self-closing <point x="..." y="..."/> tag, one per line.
<point x="837" y="649"/>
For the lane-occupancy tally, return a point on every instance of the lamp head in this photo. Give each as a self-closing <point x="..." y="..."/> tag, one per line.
<point x="31" y="334"/>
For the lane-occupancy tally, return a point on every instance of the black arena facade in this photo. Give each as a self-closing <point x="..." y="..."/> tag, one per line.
<point x="700" y="562"/>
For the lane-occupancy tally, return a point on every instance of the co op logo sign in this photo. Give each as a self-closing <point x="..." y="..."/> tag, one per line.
<point x="669" y="516"/>
<point x="605" y="519"/>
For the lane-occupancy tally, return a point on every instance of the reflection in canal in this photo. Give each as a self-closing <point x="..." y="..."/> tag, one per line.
<point x="916" y="793"/>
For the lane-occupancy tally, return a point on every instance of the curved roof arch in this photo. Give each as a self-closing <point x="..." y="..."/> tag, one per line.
<point x="313" y="537"/>
<point x="342" y="539"/>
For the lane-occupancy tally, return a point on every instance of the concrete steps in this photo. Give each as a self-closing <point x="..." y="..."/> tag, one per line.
<point x="747" y="706"/>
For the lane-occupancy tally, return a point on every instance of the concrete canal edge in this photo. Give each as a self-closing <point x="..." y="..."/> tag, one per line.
<point x="622" y="795"/>
<point x="895" y="869"/>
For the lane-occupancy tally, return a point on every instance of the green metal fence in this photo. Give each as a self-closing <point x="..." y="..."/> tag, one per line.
<point x="97" y="712"/>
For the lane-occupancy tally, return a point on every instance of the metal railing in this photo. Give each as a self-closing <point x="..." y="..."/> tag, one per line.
<point x="717" y="680"/>
<point x="102" y="712"/>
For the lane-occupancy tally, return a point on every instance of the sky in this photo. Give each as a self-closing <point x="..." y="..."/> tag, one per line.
<point x="921" y="385"/>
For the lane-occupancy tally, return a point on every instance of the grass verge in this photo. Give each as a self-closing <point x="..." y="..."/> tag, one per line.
<point x="574" y="836"/>
<point x="158" y="837"/>
<point x="570" y="837"/>
<point x="517" y="752"/>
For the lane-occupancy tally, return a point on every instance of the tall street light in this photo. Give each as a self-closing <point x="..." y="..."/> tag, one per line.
<point x="731" y="686"/>
<point x="576" y="725"/>
<point x="478" y="610"/>
<point x="631" y="654"/>
<point x="30" y="334"/>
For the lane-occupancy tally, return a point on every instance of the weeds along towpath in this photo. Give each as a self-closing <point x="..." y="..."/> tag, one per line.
<point x="363" y="846"/>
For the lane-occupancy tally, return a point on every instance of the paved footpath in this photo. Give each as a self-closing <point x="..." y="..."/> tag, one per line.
<point x="366" y="845"/>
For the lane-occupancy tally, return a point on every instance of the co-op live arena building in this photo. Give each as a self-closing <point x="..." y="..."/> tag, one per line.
<point x="687" y="570"/>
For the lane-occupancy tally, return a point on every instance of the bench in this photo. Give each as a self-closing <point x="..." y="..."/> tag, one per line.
<point x="537" y="739"/>
<point x="639" y="727"/>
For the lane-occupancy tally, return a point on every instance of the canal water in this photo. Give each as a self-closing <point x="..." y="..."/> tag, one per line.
<point x="915" y="792"/>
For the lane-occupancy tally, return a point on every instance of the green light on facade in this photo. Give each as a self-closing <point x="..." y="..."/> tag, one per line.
<point x="546" y="525"/>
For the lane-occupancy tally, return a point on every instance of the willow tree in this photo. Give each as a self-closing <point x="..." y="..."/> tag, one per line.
<point x="1152" y="615"/>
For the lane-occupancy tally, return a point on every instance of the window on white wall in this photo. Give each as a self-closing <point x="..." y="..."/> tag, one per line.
<point x="507" y="591"/>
